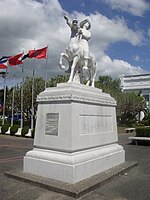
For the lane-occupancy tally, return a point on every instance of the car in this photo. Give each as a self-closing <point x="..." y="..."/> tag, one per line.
<point x="16" y="117"/>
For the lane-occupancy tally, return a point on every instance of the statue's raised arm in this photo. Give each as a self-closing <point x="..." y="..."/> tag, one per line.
<point x="67" y="20"/>
<point x="73" y="26"/>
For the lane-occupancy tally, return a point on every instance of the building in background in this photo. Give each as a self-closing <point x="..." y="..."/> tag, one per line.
<point x="137" y="83"/>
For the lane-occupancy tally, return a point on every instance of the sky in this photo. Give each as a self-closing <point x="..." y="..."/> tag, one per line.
<point x="120" y="34"/>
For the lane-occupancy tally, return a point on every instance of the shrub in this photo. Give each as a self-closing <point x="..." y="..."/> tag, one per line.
<point x="139" y="125"/>
<point x="5" y="128"/>
<point x="146" y="120"/>
<point x="5" y="122"/>
<point x="24" y="131"/>
<point x="14" y="129"/>
<point x="32" y="133"/>
<point x="1" y="122"/>
<point x="143" y="132"/>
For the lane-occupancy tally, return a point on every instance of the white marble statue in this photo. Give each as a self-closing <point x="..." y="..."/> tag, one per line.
<point x="84" y="37"/>
<point x="77" y="53"/>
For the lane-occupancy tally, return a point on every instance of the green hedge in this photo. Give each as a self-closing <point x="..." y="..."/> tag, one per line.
<point x="24" y="131"/>
<point x="1" y="122"/>
<point x="143" y="132"/>
<point x="32" y="133"/>
<point x="14" y="129"/>
<point x="5" y="128"/>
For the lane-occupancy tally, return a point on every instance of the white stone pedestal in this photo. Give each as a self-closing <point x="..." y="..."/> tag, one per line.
<point x="76" y="134"/>
<point x="18" y="132"/>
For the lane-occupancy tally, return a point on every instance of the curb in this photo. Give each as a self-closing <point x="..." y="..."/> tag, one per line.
<point x="73" y="190"/>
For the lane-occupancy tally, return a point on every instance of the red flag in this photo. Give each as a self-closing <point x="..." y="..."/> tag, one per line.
<point x="38" y="54"/>
<point x="14" y="60"/>
<point x="2" y="66"/>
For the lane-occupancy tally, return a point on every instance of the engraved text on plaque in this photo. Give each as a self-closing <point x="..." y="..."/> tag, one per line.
<point x="51" y="127"/>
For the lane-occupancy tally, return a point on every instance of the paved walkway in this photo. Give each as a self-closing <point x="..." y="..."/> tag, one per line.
<point x="134" y="185"/>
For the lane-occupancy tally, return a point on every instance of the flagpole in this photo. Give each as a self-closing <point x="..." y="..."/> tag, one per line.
<point x="39" y="54"/>
<point x="32" y="103"/>
<point x="32" y="107"/>
<point x="21" y="122"/>
<point x="4" y="97"/>
<point x="13" y="100"/>
<point x="46" y="68"/>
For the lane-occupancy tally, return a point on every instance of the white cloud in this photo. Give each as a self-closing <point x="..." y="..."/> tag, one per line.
<point x="116" y="67"/>
<point x="108" y="31"/>
<point x="136" y="7"/>
<point x="136" y="58"/>
<point x="30" y="24"/>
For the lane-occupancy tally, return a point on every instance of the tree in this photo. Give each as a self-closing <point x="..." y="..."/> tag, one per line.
<point x="108" y="85"/>
<point x="105" y="79"/>
<point x="58" y="79"/>
<point x="128" y="104"/>
<point x="39" y="86"/>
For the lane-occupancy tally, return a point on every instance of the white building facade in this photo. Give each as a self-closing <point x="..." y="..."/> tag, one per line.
<point x="137" y="83"/>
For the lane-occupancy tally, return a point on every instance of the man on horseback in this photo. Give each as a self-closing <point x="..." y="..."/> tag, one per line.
<point x="74" y="42"/>
<point x="84" y="35"/>
<point x="77" y="52"/>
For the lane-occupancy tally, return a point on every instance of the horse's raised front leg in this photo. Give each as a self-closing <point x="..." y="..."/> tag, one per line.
<point x="74" y="63"/>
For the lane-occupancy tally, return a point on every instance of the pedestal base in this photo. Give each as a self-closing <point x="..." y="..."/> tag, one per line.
<point x="75" y="135"/>
<point x="73" y="167"/>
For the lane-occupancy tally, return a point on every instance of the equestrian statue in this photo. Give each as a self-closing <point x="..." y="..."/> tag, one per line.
<point x="78" y="54"/>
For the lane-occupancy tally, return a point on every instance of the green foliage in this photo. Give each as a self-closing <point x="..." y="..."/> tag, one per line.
<point x="14" y="129"/>
<point x="5" y="128"/>
<point x="32" y="133"/>
<point x="143" y="132"/>
<point x="146" y="120"/>
<point x="139" y="125"/>
<point x="128" y="104"/>
<point x="39" y="86"/>
<point x="58" y="79"/>
<point x="24" y="131"/>
<point x="105" y="79"/>
<point x="108" y="85"/>
<point x="5" y="121"/>
<point x="1" y="94"/>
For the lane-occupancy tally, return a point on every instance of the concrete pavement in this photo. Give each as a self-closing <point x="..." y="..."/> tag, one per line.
<point x="130" y="186"/>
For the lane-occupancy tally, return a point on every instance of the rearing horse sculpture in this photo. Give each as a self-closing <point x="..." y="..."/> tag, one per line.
<point x="77" y="56"/>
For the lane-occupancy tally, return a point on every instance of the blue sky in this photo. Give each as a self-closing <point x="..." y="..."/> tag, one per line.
<point x="138" y="21"/>
<point x="120" y="34"/>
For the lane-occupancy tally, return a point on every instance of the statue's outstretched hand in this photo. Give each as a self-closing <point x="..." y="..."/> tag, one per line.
<point x="65" y="17"/>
